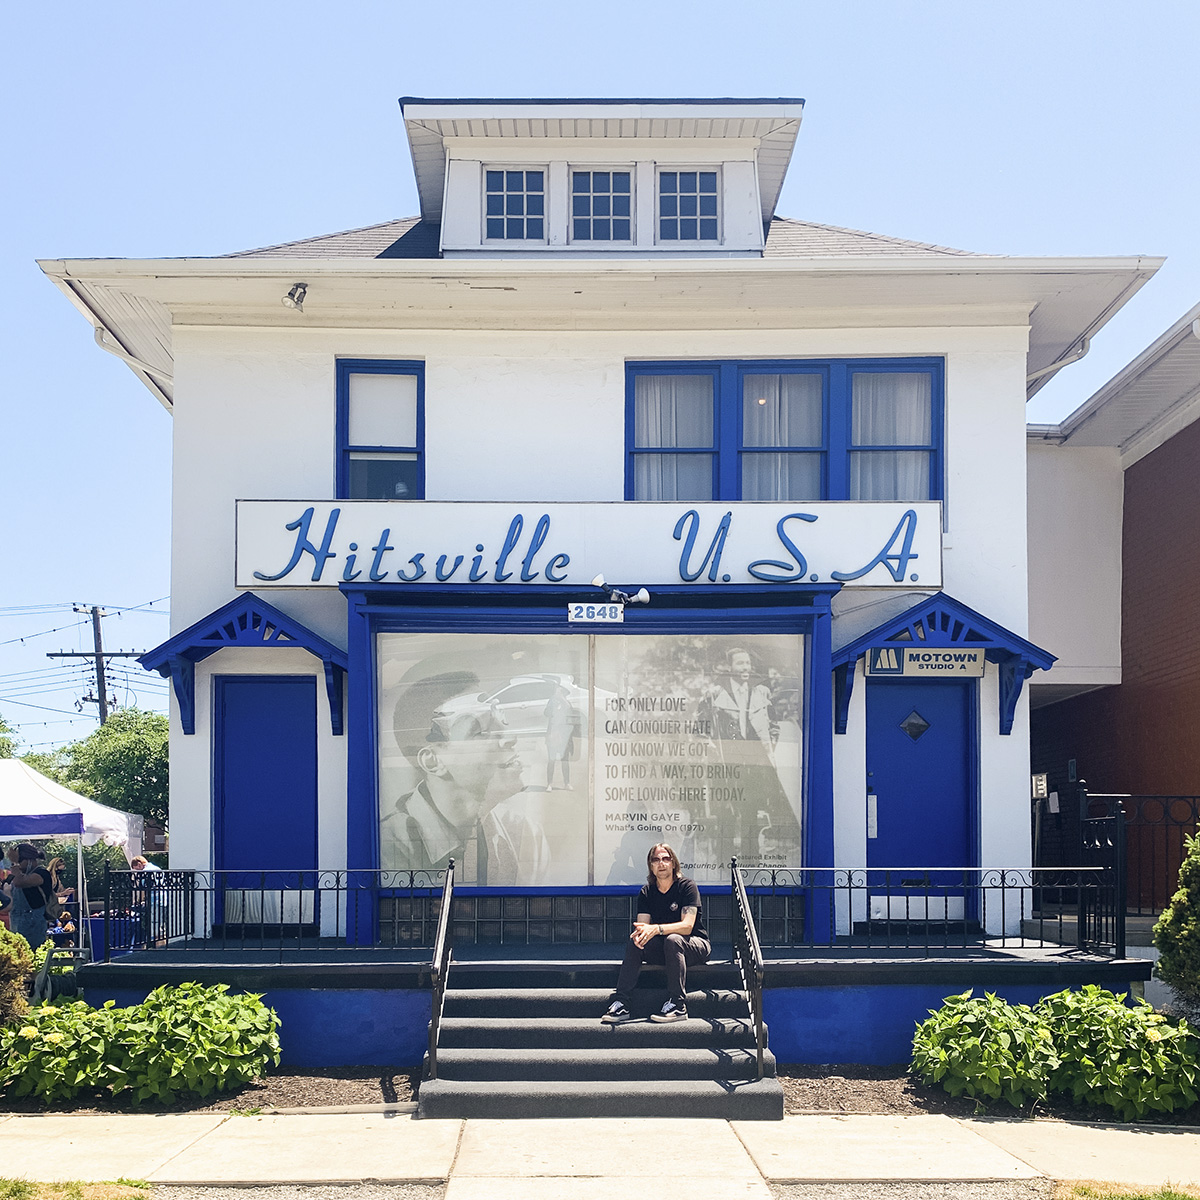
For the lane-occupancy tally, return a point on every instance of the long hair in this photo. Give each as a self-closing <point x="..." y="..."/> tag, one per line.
<point x="651" y="878"/>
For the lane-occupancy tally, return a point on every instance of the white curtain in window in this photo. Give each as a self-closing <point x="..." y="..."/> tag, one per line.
<point x="672" y="477"/>
<point x="673" y="410"/>
<point x="768" y="476"/>
<point x="891" y="409"/>
<point x="781" y="410"/>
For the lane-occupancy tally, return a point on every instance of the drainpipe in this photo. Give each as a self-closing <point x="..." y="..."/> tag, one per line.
<point x="117" y="352"/>
<point x="1084" y="347"/>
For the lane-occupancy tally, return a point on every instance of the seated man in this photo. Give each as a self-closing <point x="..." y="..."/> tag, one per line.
<point x="669" y="931"/>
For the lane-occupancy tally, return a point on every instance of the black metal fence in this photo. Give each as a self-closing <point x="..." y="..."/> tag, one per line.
<point x="274" y="911"/>
<point x="916" y="910"/>
<point x="925" y="911"/>
<point x="1156" y="829"/>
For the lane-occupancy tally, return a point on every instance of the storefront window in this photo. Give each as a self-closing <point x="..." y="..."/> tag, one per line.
<point x="559" y="759"/>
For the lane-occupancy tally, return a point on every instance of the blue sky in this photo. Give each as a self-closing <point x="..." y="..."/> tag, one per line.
<point x="151" y="129"/>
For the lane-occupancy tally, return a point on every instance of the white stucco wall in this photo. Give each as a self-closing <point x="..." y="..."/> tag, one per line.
<point x="1076" y="496"/>
<point x="527" y="416"/>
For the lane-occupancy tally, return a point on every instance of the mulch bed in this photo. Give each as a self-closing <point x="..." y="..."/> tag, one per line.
<point x="839" y="1088"/>
<point x="847" y="1088"/>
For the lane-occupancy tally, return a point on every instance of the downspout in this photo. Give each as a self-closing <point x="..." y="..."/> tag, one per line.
<point x="117" y="352"/>
<point x="1084" y="347"/>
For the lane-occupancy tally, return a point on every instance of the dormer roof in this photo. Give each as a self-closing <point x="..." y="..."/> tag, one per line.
<point x="772" y="123"/>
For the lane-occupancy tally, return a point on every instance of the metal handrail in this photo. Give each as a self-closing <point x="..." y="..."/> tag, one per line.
<point x="749" y="957"/>
<point x="439" y="968"/>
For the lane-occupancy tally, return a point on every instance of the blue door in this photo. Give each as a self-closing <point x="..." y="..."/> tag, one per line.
<point x="920" y="797"/>
<point x="265" y="800"/>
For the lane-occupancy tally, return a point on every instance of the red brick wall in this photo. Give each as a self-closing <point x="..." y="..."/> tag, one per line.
<point x="1144" y="736"/>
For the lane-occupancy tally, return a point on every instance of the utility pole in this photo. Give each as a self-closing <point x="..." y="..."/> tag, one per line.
<point x="97" y="655"/>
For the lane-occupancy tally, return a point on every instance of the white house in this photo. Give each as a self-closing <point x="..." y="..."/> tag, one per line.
<point x="403" y="454"/>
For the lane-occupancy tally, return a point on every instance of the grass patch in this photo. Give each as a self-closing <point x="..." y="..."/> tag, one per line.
<point x="25" y="1189"/>
<point x="1091" y="1189"/>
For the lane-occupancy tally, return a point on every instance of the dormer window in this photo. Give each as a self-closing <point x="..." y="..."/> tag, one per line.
<point x="688" y="208"/>
<point x="602" y="206"/>
<point x="515" y="205"/>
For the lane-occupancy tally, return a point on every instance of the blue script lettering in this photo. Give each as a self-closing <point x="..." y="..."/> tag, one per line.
<point x="887" y="557"/>
<point x="321" y="554"/>
<point x="511" y="538"/>
<point x="380" y="548"/>
<point x="691" y="519"/>
<point x="541" y="531"/>
<point x="782" y="572"/>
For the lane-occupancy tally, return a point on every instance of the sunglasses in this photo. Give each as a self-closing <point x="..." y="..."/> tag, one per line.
<point x="661" y="858"/>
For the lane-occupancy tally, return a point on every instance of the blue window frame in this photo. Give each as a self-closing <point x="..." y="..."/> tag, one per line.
<point x="380" y="429"/>
<point x="688" y="206"/>
<point x="514" y="205"/>
<point x="601" y="206"/>
<point x="834" y="429"/>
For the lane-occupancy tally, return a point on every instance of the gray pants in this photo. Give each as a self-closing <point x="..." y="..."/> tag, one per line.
<point x="674" y="951"/>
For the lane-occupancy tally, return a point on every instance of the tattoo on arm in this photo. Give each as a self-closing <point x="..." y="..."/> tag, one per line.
<point x="688" y="912"/>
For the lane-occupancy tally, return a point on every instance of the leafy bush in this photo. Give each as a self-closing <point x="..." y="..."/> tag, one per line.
<point x="192" y="1038"/>
<point x="181" y="1039"/>
<point x="985" y="1048"/>
<point x="16" y="966"/>
<point x="1131" y="1059"/>
<point x="1177" y="932"/>
<point x="1088" y="1047"/>
<point x="58" y="1051"/>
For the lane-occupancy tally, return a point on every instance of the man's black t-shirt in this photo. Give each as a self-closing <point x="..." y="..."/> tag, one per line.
<point x="666" y="908"/>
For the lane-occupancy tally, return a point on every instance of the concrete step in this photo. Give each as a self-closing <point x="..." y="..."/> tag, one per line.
<point x="572" y="973"/>
<point x="581" y="1033"/>
<point x="649" y="1062"/>
<point x="751" y="1100"/>
<point x="582" y="1002"/>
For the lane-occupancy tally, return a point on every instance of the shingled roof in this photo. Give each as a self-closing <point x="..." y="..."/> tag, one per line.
<point x="410" y="237"/>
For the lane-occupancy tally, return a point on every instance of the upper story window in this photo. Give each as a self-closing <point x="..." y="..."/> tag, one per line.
<point x="380" y="430"/>
<point x="515" y="205"/>
<point x="602" y="206"/>
<point x="834" y="430"/>
<point x="688" y="208"/>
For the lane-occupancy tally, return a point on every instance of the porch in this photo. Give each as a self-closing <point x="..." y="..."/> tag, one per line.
<point x="831" y="982"/>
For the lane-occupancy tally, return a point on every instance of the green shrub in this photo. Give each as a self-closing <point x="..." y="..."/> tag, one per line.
<point x="16" y="966"/>
<point x="985" y="1048"/>
<point x="192" y="1038"/>
<point x="1177" y="932"/>
<point x="1088" y="1047"/>
<point x="57" y="1051"/>
<point x="1131" y="1059"/>
<point x="185" y="1039"/>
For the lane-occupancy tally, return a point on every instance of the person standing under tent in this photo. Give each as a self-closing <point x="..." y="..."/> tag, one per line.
<point x="32" y="887"/>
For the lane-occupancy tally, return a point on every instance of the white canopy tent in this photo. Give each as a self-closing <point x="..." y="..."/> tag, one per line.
<point x="34" y="807"/>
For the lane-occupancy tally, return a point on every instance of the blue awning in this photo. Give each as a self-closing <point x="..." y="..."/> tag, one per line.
<point x="247" y="621"/>
<point x="940" y="622"/>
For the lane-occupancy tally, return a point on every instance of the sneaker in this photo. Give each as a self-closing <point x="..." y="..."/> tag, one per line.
<point x="616" y="1014"/>
<point x="671" y="1011"/>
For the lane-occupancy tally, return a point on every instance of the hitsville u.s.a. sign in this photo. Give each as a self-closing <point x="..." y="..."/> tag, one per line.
<point x="305" y="543"/>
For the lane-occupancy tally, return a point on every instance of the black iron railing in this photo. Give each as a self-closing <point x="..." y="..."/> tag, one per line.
<point x="1156" y="832"/>
<point x="439" y="968"/>
<point x="924" y="911"/>
<point x="747" y="953"/>
<point x="269" y="911"/>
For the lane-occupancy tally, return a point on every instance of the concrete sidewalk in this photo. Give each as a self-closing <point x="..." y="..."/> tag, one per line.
<point x="601" y="1158"/>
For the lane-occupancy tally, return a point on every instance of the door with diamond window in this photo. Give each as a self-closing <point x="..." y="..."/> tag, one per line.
<point x="919" y="798"/>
